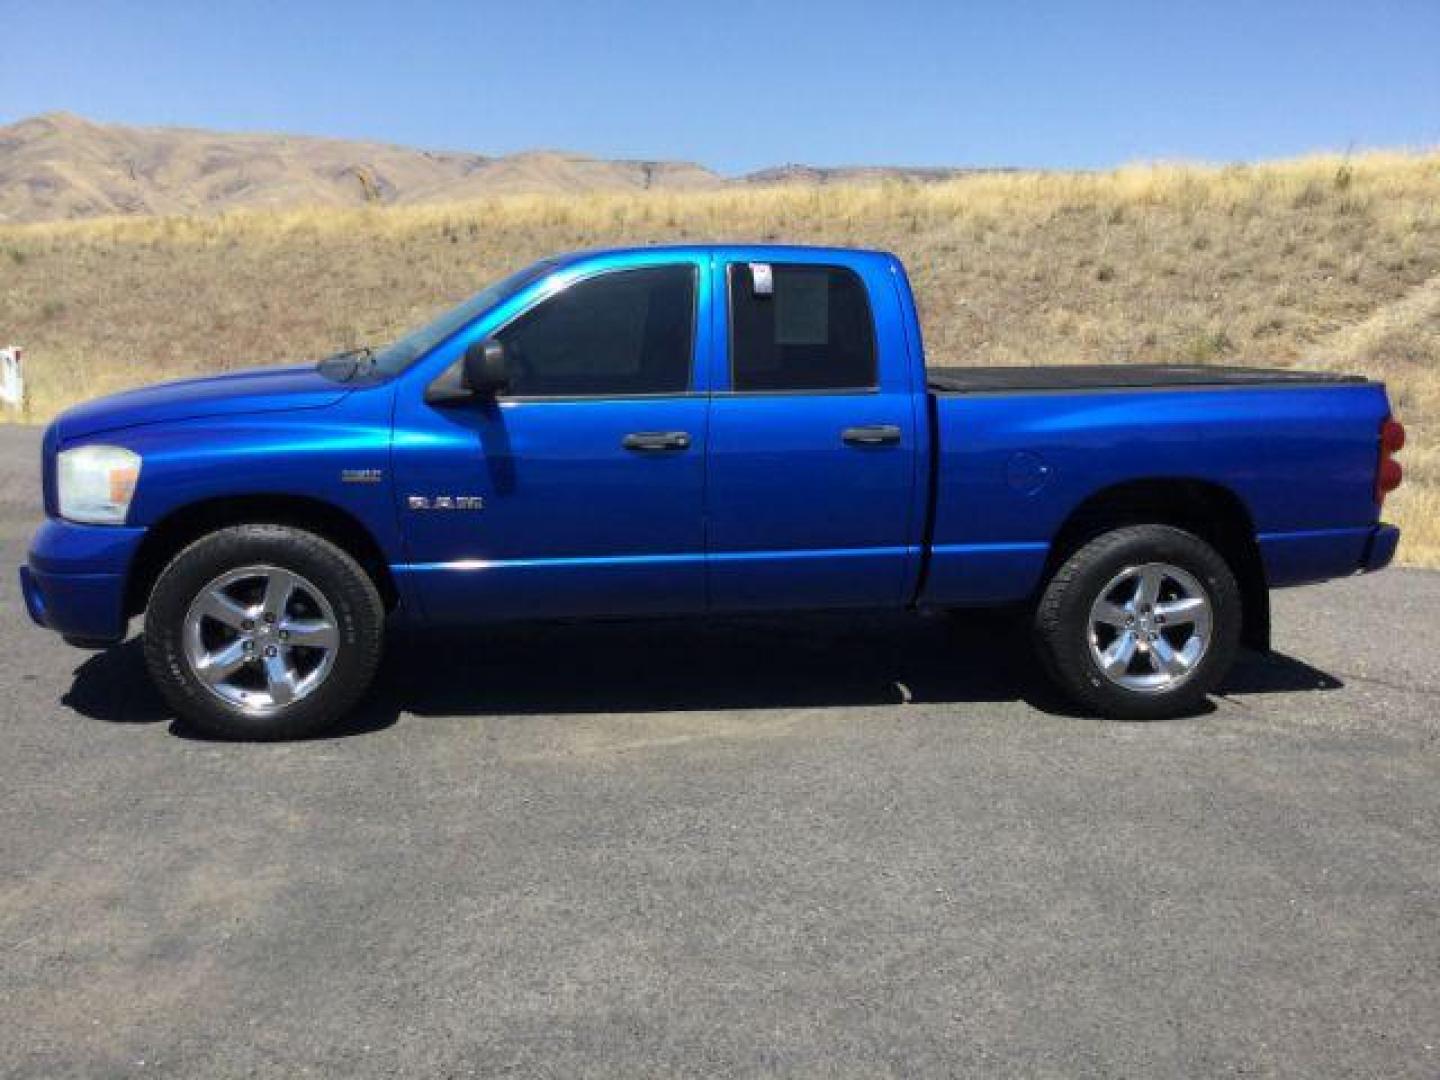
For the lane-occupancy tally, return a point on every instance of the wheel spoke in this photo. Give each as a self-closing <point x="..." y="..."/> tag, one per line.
<point x="279" y="680"/>
<point x="220" y="607"/>
<point x="278" y="590"/>
<point x="217" y="666"/>
<point x="1111" y="614"/>
<point x="1165" y="659"/>
<point x="313" y="633"/>
<point x="1116" y="658"/>
<point x="1181" y="612"/>
<point x="1148" y="591"/>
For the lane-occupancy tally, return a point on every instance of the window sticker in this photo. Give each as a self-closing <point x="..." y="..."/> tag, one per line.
<point x="802" y="308"/>
<point x="764" y="283"/>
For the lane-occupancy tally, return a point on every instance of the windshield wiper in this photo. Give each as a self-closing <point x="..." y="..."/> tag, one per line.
<point x="359" y="351"/>
<point x="348" y="364"/>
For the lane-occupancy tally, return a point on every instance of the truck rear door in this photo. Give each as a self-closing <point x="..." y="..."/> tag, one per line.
<point x="813" y="477"/>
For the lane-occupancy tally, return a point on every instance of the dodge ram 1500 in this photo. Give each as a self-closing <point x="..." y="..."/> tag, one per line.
<point x="691" y="431"/>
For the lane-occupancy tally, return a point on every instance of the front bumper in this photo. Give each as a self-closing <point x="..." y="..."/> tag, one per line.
<point x="74" y="581"/>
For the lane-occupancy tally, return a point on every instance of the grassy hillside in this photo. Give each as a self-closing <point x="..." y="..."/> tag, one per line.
<point x="1319" y="261"/>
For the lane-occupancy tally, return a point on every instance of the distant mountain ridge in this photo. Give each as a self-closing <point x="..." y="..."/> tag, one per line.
<point x="58" y="165"/>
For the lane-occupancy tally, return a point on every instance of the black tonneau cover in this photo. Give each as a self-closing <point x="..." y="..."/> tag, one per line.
<point x="981" y="380"/>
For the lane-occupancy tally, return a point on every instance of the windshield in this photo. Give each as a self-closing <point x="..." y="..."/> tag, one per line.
<point x="399" y="355"/>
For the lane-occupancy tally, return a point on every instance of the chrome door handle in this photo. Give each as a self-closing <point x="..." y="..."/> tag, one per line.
<point x="656" y="440"/>
<point x="871" y="435"/>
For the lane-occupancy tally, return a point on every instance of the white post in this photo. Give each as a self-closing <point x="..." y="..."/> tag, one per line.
<point x="12" y="376"/>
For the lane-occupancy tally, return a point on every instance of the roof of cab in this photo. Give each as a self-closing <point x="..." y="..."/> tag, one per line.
<point x="775" y="251"/>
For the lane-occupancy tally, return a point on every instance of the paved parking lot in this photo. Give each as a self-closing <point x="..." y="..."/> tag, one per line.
<point x="824" y="845"/>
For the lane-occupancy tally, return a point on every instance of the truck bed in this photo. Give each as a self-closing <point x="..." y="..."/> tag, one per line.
<point x="1019" y="450"/>
<point x="984" y="380"/>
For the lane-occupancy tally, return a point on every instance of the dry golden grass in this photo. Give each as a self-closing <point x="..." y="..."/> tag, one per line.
<point x="1319" y="261"/>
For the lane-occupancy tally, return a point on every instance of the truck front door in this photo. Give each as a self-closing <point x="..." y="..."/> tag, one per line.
<point x="578" y="491"/>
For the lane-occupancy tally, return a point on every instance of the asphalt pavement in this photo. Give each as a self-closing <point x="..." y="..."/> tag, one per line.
<point x="816" y="846"/>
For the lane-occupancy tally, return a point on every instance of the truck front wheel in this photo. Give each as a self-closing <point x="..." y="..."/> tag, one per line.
<point x="263" y="632"/>
<point x="1141" y="623"/>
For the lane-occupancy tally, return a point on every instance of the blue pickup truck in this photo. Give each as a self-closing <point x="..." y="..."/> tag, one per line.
<point x="692" y="431"/>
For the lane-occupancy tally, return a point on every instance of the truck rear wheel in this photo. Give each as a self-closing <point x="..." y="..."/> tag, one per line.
<point x="263" y="632"/>
<point x="1141" y="623"/>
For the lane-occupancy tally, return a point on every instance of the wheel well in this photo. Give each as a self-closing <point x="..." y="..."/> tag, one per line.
<point x="168" y="537"/>
<point x="1211" y="512"/>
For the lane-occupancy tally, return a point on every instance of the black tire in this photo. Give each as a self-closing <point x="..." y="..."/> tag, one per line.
<point x="1062" y="624"/>
<point x="352" y="596"/>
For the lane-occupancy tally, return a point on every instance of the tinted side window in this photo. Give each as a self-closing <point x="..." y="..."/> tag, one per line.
<point x="623" y="332"/>
<point x="813" y="330"/>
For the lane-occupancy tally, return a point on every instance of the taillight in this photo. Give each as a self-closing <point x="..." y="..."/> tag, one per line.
<point x="1389" y="474"/>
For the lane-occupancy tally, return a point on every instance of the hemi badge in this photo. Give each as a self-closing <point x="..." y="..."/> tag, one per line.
<point x="361" y="476"/>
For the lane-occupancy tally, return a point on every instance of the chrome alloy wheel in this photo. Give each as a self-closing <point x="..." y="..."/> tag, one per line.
<point x="1150" y="627"/>
<point x="261" y="638"/>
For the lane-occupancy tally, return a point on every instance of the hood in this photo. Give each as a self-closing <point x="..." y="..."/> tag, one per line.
<point x="260" y="390"/>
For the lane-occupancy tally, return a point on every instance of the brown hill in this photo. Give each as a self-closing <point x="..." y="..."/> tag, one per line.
<point x="59" y="165"/>
<point x="63" y="166"/>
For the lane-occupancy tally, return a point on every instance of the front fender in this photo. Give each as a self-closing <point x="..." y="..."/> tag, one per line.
<point x="338" y="455"/>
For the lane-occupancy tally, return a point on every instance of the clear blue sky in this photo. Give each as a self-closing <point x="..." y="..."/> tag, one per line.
<point x="738" y="84"/>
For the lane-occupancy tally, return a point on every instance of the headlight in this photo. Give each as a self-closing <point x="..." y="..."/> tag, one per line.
<point x="96" y="483"/>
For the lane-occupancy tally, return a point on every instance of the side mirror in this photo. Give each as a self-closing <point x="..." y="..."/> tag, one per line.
<point x="484" y="371"/>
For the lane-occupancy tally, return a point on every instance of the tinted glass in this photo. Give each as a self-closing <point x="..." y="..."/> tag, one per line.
<point x="624" y="332"/>
<point x="812" y="332"/>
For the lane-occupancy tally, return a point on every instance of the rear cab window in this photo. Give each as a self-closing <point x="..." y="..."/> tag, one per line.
<point x="799" y="327"/>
